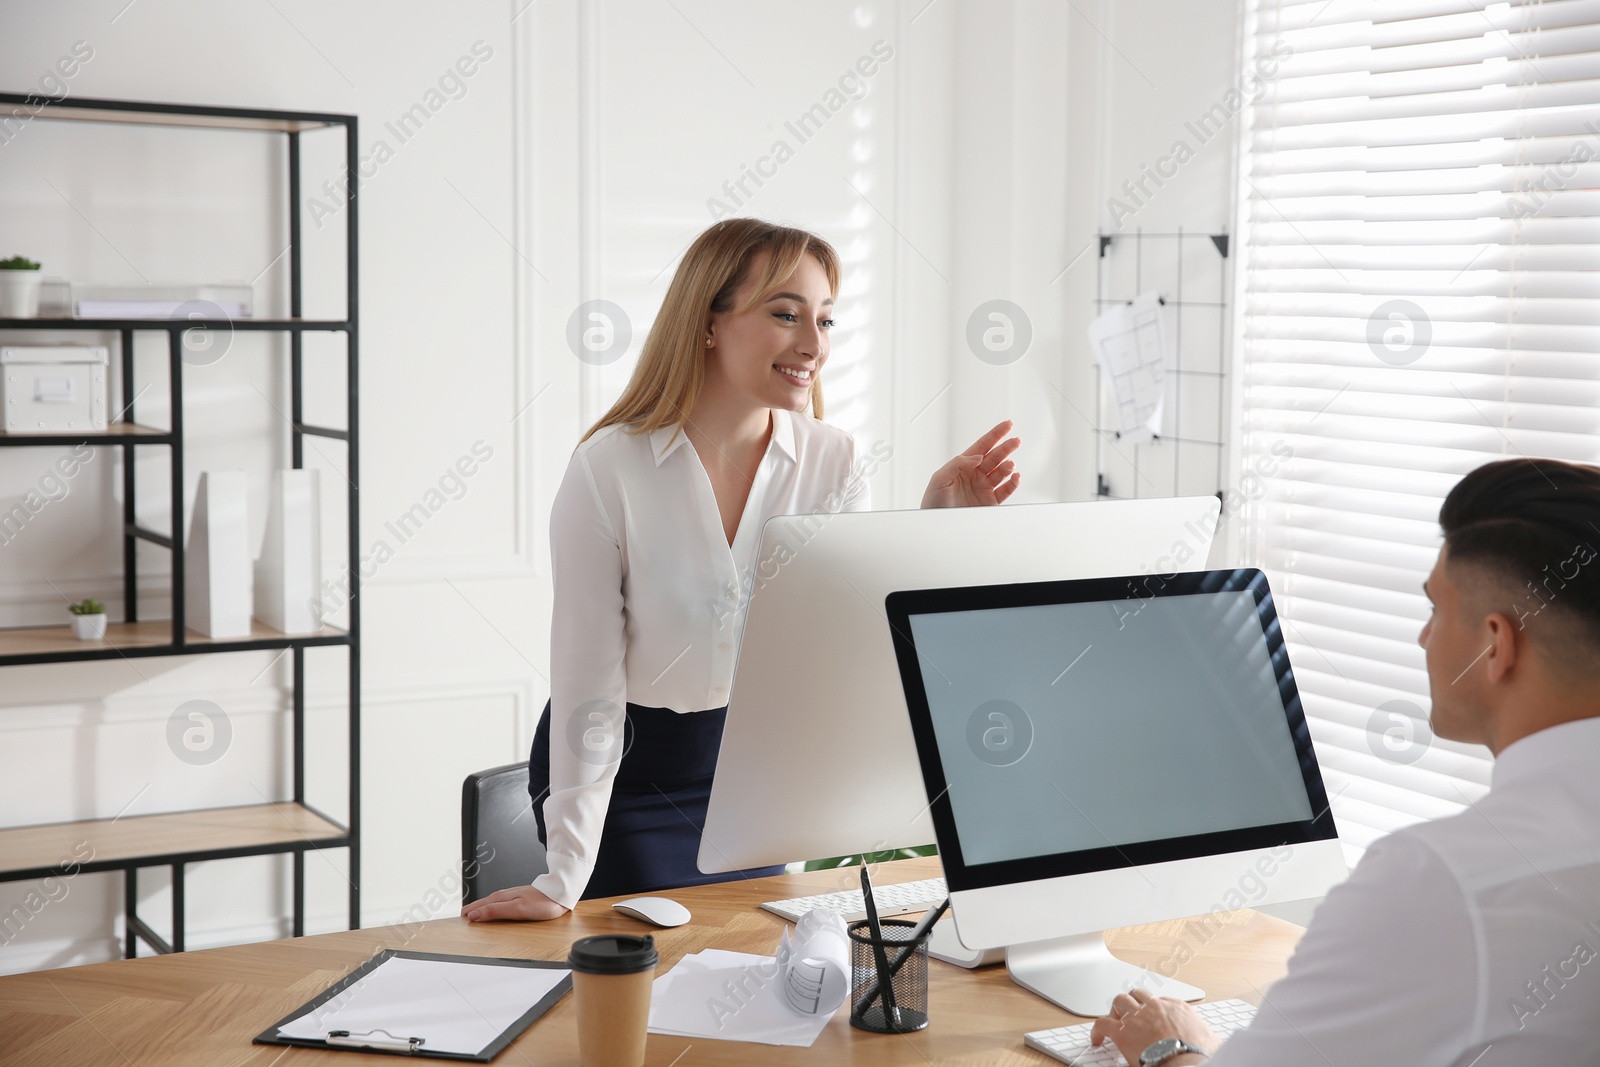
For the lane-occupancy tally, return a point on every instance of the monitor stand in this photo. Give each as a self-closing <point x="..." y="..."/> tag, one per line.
<point x="943" y="944"/>
<point x="1081" y="975"/>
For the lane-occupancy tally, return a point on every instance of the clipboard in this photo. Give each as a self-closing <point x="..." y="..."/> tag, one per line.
<point x="354" y="995"/>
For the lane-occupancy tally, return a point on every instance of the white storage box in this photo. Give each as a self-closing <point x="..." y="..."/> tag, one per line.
<point x="230" y="301"/>
<point x="53" y="388"/>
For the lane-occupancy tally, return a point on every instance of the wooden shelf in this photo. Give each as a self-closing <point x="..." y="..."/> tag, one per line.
<point x="118" y="433"/>
<point x="55" y="644"/>
<point x="197" y="116"/>
<point x="180" y="836"/>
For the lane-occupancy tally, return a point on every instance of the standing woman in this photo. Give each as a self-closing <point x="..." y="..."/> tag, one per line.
<point x="652" y="533"/>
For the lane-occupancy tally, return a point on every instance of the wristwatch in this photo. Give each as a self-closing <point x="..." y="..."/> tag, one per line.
<point x="1165" y="1049"/>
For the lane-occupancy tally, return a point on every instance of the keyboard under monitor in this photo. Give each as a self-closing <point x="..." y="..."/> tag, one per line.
<point x="900" y="899"/>
<point x="1070" y="1044"/>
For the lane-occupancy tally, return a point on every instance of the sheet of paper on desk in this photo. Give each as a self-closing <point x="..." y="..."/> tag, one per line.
<point x="775" y="1000"/>
<point x="453" y="1007"/>
<point x="1130" y="342"/>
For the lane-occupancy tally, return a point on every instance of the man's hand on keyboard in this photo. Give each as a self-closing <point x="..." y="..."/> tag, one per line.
<point x="1138" y="1020"/>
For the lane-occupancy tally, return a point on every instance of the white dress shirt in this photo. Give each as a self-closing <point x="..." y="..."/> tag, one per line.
<point x="650" y="598"/>
<point x="1473" y="940"/>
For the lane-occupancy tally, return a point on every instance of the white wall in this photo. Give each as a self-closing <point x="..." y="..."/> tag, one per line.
<point x="576" y="164"/>
<point x="1153" y="68"/>
<point x="444" y="692"/>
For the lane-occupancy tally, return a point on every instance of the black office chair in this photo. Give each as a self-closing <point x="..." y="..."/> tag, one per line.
<point x="499" y="838"/>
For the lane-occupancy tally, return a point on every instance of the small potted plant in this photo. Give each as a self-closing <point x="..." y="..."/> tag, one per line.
<point x="19" y="288"/>
<point x="88" y="620"/>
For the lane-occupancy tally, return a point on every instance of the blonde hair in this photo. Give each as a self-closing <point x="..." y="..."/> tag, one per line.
<point x="671" y="370"/>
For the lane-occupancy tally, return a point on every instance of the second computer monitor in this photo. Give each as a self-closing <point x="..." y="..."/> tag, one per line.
<point x="817" y="758"/>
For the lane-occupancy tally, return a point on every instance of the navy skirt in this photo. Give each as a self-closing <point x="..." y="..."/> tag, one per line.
<point x="658" y="801"/>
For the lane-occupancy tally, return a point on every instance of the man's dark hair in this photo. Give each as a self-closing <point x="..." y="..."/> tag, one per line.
<point x="1534" y="525"/>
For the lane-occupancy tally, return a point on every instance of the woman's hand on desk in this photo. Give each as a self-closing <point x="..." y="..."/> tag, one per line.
<point x="980" y="475"/>
<point x="518" y="902"/>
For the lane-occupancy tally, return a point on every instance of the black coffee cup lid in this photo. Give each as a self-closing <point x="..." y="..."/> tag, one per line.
<point x="613" y="954"/>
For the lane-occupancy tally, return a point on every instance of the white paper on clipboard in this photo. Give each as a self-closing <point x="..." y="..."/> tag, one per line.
<point x="1131" y="343"/>
<point x="455" y="1007"/>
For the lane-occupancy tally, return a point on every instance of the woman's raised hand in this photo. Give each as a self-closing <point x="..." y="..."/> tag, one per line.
<point x="980" y="475"/>
<point x="518" y="902"/>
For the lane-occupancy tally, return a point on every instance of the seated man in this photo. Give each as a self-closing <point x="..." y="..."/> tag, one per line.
<point x="1473" y="940"/>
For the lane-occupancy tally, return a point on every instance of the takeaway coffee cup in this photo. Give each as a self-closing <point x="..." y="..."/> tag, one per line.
<point x="611" y="976"/>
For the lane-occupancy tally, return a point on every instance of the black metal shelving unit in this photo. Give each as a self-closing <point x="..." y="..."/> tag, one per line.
<point x="176" y="839"/>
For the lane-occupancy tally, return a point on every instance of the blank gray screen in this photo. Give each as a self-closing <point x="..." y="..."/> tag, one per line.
<point x="1065" y="727"/>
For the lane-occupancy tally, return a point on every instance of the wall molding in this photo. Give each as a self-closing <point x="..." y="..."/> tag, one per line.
<point x="253" y="700"/>
<point x="101" y="896"/>
<point x="591" y="273"/>
<point x="32" y="599"/>
<point x="19" y="957"/>
<point x="403" y="570"/>
<point x="525" y="388"/>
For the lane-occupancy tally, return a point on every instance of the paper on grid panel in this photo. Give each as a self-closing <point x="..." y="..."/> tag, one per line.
<point x="453" y="1007"/>
<point x="1129" y="342"/>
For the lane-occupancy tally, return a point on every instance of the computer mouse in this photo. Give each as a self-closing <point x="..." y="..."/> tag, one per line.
<point x="656" y="910"/>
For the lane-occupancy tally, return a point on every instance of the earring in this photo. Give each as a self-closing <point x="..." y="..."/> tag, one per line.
<point x="708" y="342"/>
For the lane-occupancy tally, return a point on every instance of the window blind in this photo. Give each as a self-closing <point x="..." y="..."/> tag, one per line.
<point x="1420" y="224"/>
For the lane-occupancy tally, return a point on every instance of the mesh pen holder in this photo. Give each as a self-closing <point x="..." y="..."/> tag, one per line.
<point x="909" y="984"/>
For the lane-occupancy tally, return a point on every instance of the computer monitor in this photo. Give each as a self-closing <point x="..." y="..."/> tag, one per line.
<point x="817" y="758"/>
<point x="1107" y="752"/>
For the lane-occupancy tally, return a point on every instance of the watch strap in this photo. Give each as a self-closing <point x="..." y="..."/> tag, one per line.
<point x="1177" y="1047"/>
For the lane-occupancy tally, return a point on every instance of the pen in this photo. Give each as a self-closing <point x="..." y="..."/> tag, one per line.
<point x="917" y="934"/>
<point x="891" y="1009"/>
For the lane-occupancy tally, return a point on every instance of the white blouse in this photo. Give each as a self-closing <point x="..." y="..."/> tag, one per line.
<point x="650" y="599"/>
<point x="1474" y="932"/>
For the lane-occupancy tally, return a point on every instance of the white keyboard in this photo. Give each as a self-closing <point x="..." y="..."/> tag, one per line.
<point x="1070" y="1044"/>
<point x="898" y="899"/>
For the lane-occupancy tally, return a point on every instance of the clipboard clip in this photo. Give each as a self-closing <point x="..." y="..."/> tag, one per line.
<point x="370" y="1039"/>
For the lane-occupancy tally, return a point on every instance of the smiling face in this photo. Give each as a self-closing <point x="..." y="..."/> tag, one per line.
<point x="768" y="354"/>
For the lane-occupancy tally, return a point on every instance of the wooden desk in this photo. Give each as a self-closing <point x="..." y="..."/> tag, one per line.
<point x="202" y="1008"/>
